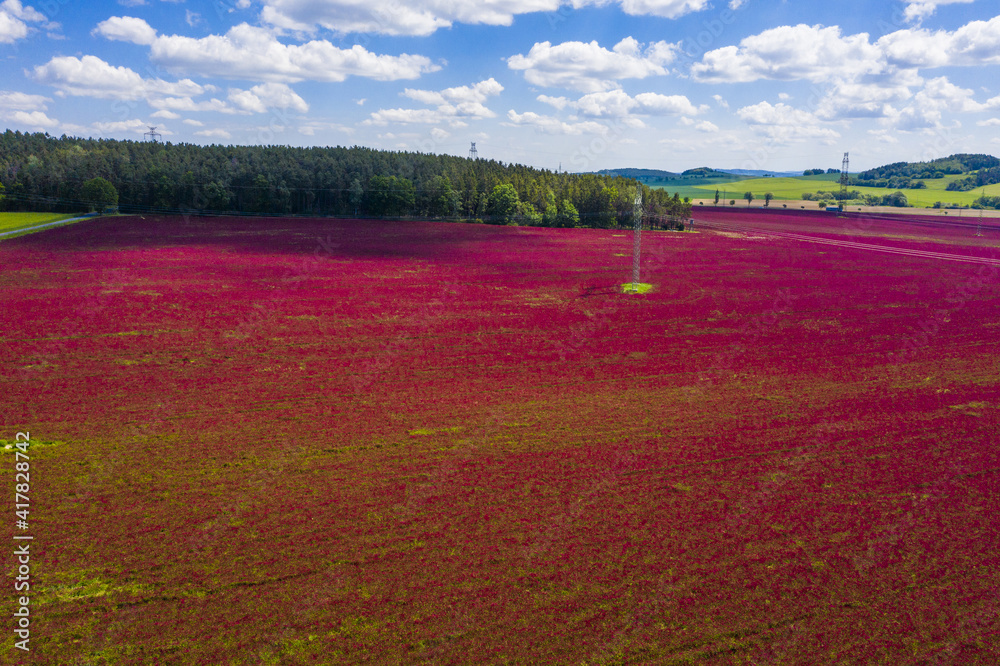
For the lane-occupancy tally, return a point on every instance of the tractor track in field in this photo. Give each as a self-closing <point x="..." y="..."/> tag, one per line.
<point x="854" y="245"/>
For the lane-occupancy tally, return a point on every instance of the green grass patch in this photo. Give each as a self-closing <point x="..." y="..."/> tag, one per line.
<point x="792" y="189"/>
<point x="632" y="288"/>
<point x="83" y="587"/>
<point x="10" y="446"/>
<point x="17" y="221"/>
<point x="424" y="432"/>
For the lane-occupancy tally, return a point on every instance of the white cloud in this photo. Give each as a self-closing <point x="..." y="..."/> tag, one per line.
<point x="19" y="101"/>
<point x="194" y="123"/>
<point x="14" y="19"/>
<point x="16" y="9"/>
<point x="974" y="44"/>
<point x="188" y="104"/>
<point x="657" y="104"/>
<point x="706" y="126"/>
<point x="169" y="115"/>
<point x="192" y="18"/>
<point x="814" y="53"/>
<point x="126" y="29"/>
<point x="214" y="134"/>
<point x="989" y="122"/>
<point x="665" y="8"/>
<point x="452" y="105"/>
<point x="92" y="77"/>
<point x="784" y="124"/>
<point x="929" y="107"/>
<point x="552" y="125"/>
<point x="555" y="102"/>
<point x="589" y="67"/>
<point x="870" y="97"/>
<point x="134" y="126"/>
<point x="721" y="101"/>
<point x="267" y="96"/>
<point x="823" y="54"/>
<point x="32" y="119"/>
<point x="460" y="101"/>
<point x="618" y="104"/>
<point x="246" y="52"/>
<point x="884" y="136"/>
<point x="423" y="17"/>
<point x="310" y="128"/>
<point x="917" y="10"/>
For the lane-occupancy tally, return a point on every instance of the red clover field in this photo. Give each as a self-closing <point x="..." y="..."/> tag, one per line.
<point x="319" y="441"/>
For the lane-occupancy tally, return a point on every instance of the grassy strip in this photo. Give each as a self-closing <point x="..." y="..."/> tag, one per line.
<point x="793" y="188"/>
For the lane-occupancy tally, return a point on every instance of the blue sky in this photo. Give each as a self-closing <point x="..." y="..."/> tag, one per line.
<point x="588" y="84"/>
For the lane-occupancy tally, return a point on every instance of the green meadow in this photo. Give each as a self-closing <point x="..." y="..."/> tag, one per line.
<point x="18" y="221"/>
<point x="794" y="188"/>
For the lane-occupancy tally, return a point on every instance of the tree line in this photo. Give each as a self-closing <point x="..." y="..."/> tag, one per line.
<point x="907" y="175"/>
<point x="44" y="173"/>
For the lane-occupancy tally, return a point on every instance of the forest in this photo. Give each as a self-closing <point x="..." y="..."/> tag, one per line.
<point x="39" y="172"/>
<point x="910" y="175"/>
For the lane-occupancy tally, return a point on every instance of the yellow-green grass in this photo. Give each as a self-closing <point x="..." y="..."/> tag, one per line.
<point x="640" y="288"/>
<point x="17" y="221"/>
<point x="794" y="188"/>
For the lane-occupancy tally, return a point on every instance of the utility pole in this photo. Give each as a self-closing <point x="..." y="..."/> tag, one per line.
<point x="845" y="165"/>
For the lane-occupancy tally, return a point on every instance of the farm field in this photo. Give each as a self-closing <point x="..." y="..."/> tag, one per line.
<point x="11" y="222"/>
<point x="339" y="441"/>
<point x="793" y="188"/>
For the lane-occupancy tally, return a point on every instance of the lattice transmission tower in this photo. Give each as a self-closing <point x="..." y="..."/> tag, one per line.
<point x="152" y="134"/>
<point x="473" y="153"/>
<point x="636" y="238"/>
<point x="844" y="167"/>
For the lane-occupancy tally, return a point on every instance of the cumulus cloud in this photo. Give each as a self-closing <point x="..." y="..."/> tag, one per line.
<point x="973" y="44"/>
<point x="930" y="106"/>
<point x="92" y="77"/>
<point x="617" y="104"/>
<point x="423" y="17"/>
<point x="134" y="126"/>
<point x="800" y="52"/>
<point x="784" y="124"/>
<point x="452" y="105"/>
<point x="589" y="67"/>
<point x="19" y="101"/>
<point x="126" y="29"/>
<point x="33" y="119"/>
<point x="816" y="53"/>
<point x="23" y="110"/>
<point x="214" y="134"/>
<point x="267" y="96"/>
<point x="917" y="10"/>
<point x="552" y="125"/>
<point x="248" y="52"/>
<point x="14" y="20"/>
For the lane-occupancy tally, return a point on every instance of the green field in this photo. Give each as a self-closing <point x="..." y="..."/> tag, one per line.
<point x="15" y="221"/>
<point x="734" y="186"/>
<point x="793" y="188"/>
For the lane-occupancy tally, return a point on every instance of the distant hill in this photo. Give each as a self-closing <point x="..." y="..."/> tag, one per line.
<point x="639" y="174"/>
<point x="980" y="170"/>
<point x="758" y="173"/>
<point x="704" y="172"/>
